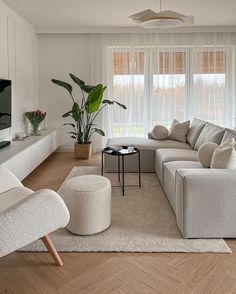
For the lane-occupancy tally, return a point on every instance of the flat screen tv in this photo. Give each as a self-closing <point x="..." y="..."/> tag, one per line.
<point x="5" y="104"/>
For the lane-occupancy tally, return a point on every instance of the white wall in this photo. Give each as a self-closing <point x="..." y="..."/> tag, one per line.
<point x="59" y="55"/>
<point x="18" y="62"/>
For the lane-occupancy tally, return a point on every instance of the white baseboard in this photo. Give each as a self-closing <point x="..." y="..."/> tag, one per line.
<point x="65" y="149"/>
<point x="71" y="149"/>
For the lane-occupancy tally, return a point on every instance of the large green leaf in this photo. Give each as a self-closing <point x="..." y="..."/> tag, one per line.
<point x="95" y="98"/>
<point x="78" y="81"/>
<point x="110" y="102"/>
<point x="121" y="105"/>
<point x="69" y="124"/>
<point x="68" y="113"/>
<point x="65" y="85"/>
<point x="76" y="107"/>
<point x="88" y="88"/>
<point x="106" y="101"/>
<point x="99" y="131"/>
<point x="81" y="84"/>
<point x="76" y="113"/>
<point x="73" y="133"/>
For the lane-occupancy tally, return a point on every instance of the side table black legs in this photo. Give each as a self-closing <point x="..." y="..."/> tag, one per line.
<point x="139" y="168"/>
<point x="118" y="170"/>
<point x="121" y="167"/>
<point x="102" y="164"/>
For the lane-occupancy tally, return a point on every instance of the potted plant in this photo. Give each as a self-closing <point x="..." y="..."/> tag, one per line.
<point x="85" y="113"/>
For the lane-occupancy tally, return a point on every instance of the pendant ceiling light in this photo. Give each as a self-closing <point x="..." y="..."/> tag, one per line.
<point x="162" y="20"/>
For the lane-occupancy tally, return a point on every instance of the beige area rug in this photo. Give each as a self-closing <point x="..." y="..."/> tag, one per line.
<point x="142" y="221"/>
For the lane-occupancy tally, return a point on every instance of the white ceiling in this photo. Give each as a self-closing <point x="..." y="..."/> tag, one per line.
<point x="90" y="14"/>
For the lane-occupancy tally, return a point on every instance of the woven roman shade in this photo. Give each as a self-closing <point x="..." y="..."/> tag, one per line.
<point x="127" y="63"/>
<point x="210" y="62"/>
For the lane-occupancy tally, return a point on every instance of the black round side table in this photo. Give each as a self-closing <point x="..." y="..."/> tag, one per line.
<point x="121" y="153"/>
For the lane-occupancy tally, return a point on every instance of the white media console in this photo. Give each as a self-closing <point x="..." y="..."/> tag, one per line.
<point x="22" y="157"/>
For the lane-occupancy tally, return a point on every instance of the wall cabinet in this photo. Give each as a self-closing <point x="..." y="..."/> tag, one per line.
<point x="22" y="157"/>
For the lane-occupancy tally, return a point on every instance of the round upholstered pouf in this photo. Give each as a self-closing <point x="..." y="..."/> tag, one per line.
<point x="88" y="199"/>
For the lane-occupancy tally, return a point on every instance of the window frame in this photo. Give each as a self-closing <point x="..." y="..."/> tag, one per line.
<point x="189" y="76"/>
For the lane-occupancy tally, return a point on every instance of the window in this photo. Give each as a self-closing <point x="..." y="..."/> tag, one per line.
<point x="169" y="86"/>
<point x="209" y="78"/>
<point x="159" y="84"/>
<point x="128" y="88"/>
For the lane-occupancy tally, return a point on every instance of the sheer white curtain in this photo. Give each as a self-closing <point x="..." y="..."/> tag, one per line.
<point x="164" y="76"/>
<point x="126" y="82"/>
<point x="168" y="90"/>
<point x="210" y="81"/>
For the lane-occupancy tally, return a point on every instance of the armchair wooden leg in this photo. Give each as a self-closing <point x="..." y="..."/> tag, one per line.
<point x="52" y="250"/>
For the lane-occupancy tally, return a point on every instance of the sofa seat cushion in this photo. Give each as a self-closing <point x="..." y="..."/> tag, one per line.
<point x="210" y="133"/>
<point x="167" y="155"/>
<point x="169" y="172"/>
<point x="146" y="144"/>
<point x="13" y="196"/>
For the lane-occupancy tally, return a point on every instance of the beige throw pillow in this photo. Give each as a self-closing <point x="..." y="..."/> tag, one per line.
<point x="160" y="132"/>
<point x="179" y="130"/>
<point x="205" y="153"/>
<point x="224" y="156"/>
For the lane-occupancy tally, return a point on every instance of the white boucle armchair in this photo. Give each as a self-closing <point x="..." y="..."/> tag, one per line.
<point x="26" y="216"/>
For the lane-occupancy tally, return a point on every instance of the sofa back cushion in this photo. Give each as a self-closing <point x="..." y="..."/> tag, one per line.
<point x="229" y="134"/>
<point x="179" y="130"/>
<point x="210" y="133"/>
<point x="195" y="129"/>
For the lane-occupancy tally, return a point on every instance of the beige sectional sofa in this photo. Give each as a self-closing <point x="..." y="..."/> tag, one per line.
<point x="203" y="199"/>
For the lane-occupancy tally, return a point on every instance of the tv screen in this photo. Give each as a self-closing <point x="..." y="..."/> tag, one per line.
<point x="5" y="104"/>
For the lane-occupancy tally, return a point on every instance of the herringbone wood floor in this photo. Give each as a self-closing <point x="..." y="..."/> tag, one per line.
<point x="116" y="273"/>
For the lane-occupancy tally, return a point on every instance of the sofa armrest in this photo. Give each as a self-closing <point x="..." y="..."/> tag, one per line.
<point x="8" y="180"/>
<point x="37" y="215"/>
<point x="206" y="203"/>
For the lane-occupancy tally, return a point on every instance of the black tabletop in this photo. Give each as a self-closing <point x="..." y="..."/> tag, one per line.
<point x="124" y="150"/>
